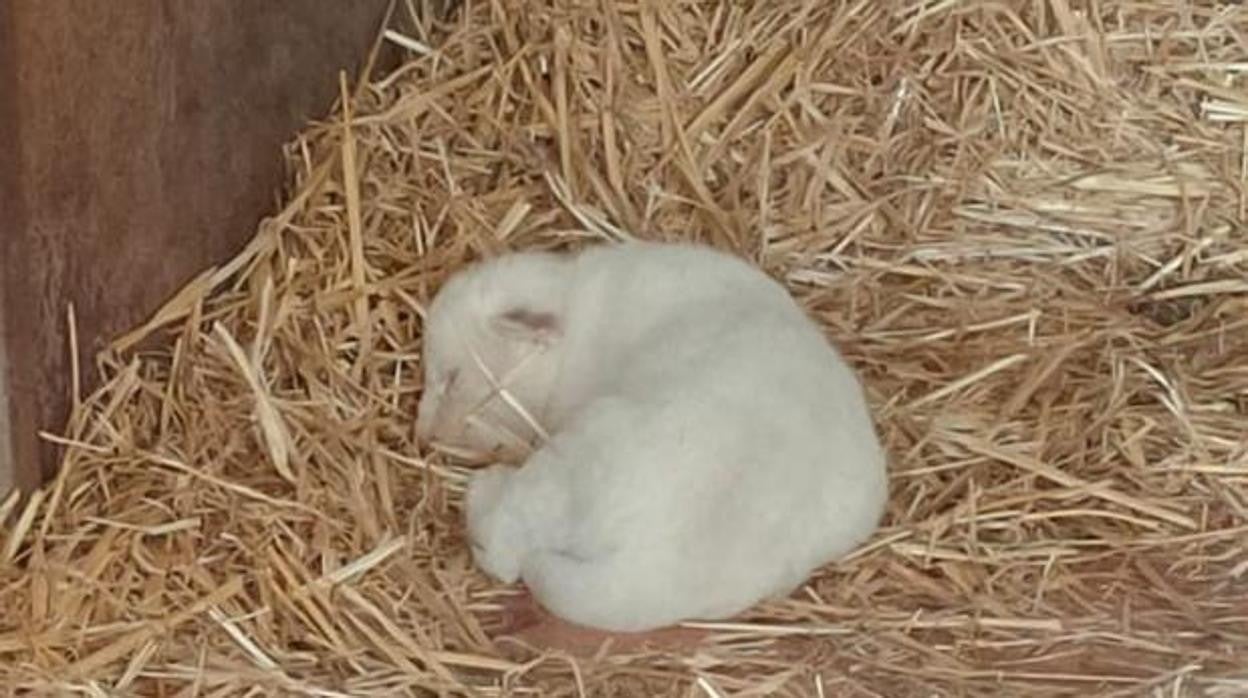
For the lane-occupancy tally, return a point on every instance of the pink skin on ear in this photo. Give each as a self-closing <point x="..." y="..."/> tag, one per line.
<point x="528" y="325"/>
<point x="532" y="320"/>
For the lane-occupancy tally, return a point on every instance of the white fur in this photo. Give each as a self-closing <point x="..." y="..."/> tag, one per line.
<point x="708" y="448"/>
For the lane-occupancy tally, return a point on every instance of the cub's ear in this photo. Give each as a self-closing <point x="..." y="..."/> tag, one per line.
<point x="527" y="324"/>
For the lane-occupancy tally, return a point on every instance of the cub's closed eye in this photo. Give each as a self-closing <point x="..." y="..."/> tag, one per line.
<point x="450" y="379"/>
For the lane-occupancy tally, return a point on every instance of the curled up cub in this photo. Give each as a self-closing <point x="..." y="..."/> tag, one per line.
<point x="695" y="443"/>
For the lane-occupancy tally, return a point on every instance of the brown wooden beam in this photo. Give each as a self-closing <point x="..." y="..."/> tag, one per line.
<point x="139" y="143"/>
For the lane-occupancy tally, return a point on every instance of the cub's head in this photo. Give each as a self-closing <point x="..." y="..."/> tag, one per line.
<point x="493" y="341"/>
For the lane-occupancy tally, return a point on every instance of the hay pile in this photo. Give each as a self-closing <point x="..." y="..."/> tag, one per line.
<point x="1023" y="221"/>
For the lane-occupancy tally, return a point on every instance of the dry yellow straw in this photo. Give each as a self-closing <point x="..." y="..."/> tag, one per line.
<point x="1022" y="221"/>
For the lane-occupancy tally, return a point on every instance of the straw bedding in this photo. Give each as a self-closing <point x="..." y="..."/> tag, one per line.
<point x="1022" y="221"/>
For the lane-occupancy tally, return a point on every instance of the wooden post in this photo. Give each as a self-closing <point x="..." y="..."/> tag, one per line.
<point x="139" y="143"/>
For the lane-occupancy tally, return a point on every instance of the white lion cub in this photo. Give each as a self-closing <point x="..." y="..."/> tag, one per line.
<point x="699" y="444"/>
